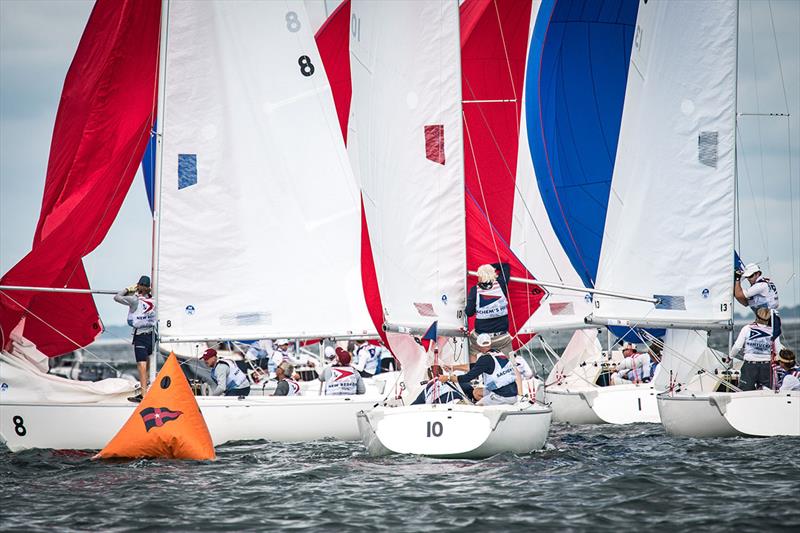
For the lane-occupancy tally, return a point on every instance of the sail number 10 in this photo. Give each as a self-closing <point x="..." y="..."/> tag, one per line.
<point x="435" y="429"/>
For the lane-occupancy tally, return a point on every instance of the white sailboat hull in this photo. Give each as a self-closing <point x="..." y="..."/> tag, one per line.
<point x="617" y="404"/>
<point x="723" y="414"/>
<point x="455" y="430"/>
<point x="91" y="426"/>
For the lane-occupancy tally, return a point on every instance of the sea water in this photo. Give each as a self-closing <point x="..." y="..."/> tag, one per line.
<point x="587" y="478"/>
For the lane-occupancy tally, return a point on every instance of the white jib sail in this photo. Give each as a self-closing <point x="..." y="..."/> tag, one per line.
<point x="534" y="241"/>
<point x="669" y="228"/>
<point x="259" y="214"/>
<point x="685" y="355"/>
<point x="405" y="144"/>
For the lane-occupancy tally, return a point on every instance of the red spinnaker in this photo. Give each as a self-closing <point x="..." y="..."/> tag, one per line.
<point x="101" y="131"/>
<point x="494" y="46"/>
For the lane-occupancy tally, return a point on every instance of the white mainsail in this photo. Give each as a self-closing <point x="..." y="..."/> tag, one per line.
<point x="405" y="144"/>
<point x="258" y="212"/>
<point x="669" y="227"/>
<point x="534" y="240"/>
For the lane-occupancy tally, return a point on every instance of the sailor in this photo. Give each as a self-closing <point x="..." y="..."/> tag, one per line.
<point x="283" y="355"/>
<point x="655" y="349"/>
<point x="488" y="302"/>
<point x="142" y="318"/>
<point x="634" y="366"/>
<point x="759" y="345"/>
<point x="788" y="373"/>
<point x="761" y="293"/>
<point x="368" y="358"/>
<point x="260" y="352"/>
<point x="498" y="372"/>
<point x="437" y="392"/>
<point x="228" y="378"/>
<point x="286" y="385"/>
<point x="341" y="379"/>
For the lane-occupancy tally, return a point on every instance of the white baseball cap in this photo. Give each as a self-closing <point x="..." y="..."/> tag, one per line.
<point x="281" y="342"/>
<point x="484" y="339"/>
<point x="750" y="269"/>
<point x="330" y="352"/>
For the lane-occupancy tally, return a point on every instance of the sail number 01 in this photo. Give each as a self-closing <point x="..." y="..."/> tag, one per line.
<point x="435" y="429"/>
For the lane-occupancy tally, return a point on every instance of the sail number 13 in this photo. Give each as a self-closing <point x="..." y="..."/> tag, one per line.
<point x="435" y="429"/>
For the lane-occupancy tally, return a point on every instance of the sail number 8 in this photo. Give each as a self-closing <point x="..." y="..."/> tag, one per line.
<point x="435" y="429"/>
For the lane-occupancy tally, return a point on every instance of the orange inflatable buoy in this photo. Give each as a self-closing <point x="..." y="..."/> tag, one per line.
<point x="166" y="425"/>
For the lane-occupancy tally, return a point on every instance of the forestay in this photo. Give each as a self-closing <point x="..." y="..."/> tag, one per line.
<point x="405" y="144"/>
<point x="258" y="211"/>
<point x="669" y="228"/>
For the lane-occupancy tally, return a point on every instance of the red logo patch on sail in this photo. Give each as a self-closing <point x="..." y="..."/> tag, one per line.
<point x="487" y="299"/>
<point x="341" y="374"/>
<point x="434" y="143"/>
<point x="155" y="417"/>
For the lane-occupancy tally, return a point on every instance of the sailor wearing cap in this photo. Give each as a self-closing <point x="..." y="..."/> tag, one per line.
<point x="368" y="358"/>
<point x="499" y="373"/>
<point x="758" y="343"/>
<point x="228" y="378"/>
<point x="281" y="354"/>
<point x="488" y="302"/>
<point x="788" y="373"/>
<point x="761" y="292"/>
<point x="142" y="318"/>
<point x="286" y="385"/>
<point x="634" y="367"/>
<point x="341" y="379"/>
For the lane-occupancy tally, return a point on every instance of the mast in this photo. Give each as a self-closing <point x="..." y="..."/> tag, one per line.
<point x="162" y="73"/>
<point x="735" y="160"/>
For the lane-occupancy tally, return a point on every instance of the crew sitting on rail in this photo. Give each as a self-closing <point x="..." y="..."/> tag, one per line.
<point x="286" y="385"/>
<point x="633" y="368"/>
<point x="341" y="379"/>
<point x="437" y="392"/>
<point x="500" y="377"/>
<point x="368" y="358"/>
<point x="228" y="378"/>
<point x="488" y="302"/>
<point x="758" y="343"/>
<point x="787" y="371"/>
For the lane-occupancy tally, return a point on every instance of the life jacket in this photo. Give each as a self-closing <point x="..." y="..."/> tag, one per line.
<point x="759" y="343"/>
<point x="770" y="301"/>
<point x="294" y="387"/>
<point x="343" y="381"/>
<point x="145" y="314"/>
<point x="781" y="373"/>
<point x="500" y="376"/>
<point x="236" y="378"/>
<point x="491" y="302"/>
<point x="444" y="392"/>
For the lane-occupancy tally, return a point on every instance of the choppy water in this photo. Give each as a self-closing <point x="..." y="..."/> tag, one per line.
<point x="588" y="478"/>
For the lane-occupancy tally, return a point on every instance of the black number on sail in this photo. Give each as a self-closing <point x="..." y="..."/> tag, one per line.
<point x="723" y="307"/>
<point x="169" y="323"/>
<point x="306" y="67"/>
<point x="19" y="426"/>
<point x="435" y="429"/>
<point x="292" y="22"/>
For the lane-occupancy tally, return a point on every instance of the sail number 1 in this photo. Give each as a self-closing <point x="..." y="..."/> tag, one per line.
<point x="435" y="429"/>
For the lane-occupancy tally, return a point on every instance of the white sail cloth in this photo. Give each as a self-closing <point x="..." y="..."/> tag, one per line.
<point x="684" y="357"/>
<point x="405" y="145"/>
<point x="669" y="228"/>
<point x="258" y="212"/>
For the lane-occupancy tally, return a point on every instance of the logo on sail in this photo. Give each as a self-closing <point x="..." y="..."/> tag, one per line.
<point x="155" y="417"/>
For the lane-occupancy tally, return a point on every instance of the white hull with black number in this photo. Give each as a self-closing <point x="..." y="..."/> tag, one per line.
<point x="82" y="426"/>
<point x="616" y="404"/>
<point x="455" y="430"/>
<point x="761" y="413"/>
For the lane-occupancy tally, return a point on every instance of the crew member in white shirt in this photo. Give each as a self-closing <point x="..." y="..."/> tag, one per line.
<point x="368" y="359"/>
<point x="757" y="341"/>
<point x="635" y="366"/>
<point x="788" y="373"/>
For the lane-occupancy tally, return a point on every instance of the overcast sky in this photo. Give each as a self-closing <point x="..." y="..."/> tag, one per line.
<point x="38" y="39"/>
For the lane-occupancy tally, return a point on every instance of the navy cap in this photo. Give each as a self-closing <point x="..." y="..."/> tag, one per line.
<point x="144" y="280"/>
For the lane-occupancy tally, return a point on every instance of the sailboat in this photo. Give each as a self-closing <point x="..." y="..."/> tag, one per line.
<point x="251" y="160"/>
<point x="406" y="71"/>
<point x="672" y="188"/>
